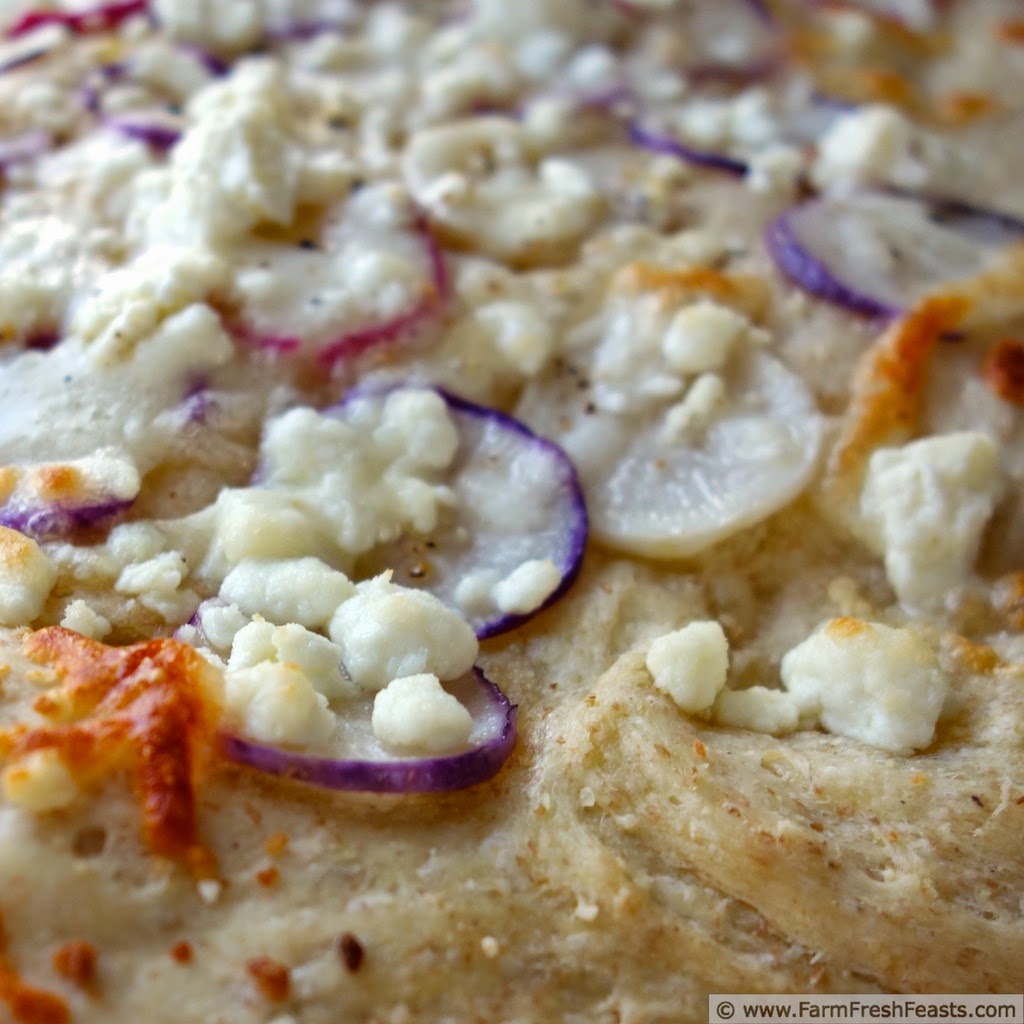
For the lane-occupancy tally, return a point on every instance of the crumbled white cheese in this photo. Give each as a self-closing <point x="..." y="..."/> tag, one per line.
<point x="219" y="624"/>
<point x="294" y="645"/>
<point x="157" y="583"/>
<point x="629" y="368"/>
<point x="42" y="263"/>
<point x="236" y="166"/>
<point x="695" y="411"/>
<point x="746" y="122"/>
<point x="387" y="631"/>
<point x="256" y="523"/>
<point x="926" y="505"/>
<point x="26" y="578"/>
<point x="365" y="480"/>
<point x="303" y="590"/>
<point x="39" y="782"/>
<point x="83" y="619"/>
<point x="130" y="302"/>
<point x="135" y="542"/>
<point x="863" y="146"/>
<point x="220" y="27"/>
<point x="520" y="333"/>
<point x="775" y="171"/>
<point x="702" y="336"/>
<point x="512" y="206"/>
<point x="276" y="703"/>
<point x="415" y="714"/>
<point x="474" y="593"/>
<point x="691" y="665"/>
<point x="527" y="587"/>
<point x="759" y="709"/>
<point x="870" y="682"/>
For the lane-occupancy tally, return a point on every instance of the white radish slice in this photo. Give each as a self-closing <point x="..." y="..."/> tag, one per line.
<point x="517" y="502"/>
<point x="362" y="764"/>
<point x="878" y="254"/>
<point x="663" y="497"/>
<point x="361" y="284"/>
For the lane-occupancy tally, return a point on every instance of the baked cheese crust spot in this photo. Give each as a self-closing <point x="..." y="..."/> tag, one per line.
<point x="888" y="389"/>
<point x="147" y="707"/>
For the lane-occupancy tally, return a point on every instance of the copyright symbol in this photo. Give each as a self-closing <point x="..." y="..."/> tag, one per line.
<point x="726" y="1010"/>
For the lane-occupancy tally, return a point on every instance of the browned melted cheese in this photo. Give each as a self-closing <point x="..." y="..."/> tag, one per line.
<point x="889" y="387"/>
<point x="26" y="1004"/>
<point x="147" y="707"/>
<point x="1010" y="31"/>
<point x="747" y="293"/>
<point x="1003" y="371"/>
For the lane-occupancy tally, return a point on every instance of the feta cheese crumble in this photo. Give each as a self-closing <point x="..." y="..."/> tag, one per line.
<point x="869" y="682"/>
<point x="527" y="587"/>
<point x="691" y="665"/>
<point x="759" y="709"/>
<point x="386" y="632"/>
<point x="702" y="336"/>
<point x="302" y="590"/>
<point x="926" y="505"/>
<point x="85" y="620"/>
<point x="276" y="703"/>
<point x="416" y="715"/>
<point x="315" y="656"/>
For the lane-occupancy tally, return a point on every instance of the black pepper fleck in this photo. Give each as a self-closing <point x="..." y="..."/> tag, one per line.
<point x="351" y="951"/>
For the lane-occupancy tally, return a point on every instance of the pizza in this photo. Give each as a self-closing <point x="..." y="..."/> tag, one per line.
<point x="508" y="512"/>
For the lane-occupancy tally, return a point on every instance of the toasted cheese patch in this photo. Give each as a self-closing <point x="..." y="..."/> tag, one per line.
<point x="745" y="293"/>
<point x="1003" y="371"/>
<point x="26" y="578"/>
<point x="149" y="707"/>
<point x="889" y="388"/>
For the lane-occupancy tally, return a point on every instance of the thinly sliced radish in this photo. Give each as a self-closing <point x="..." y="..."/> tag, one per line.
<point x="61" y="520"/>
<point x="360" y="286"/>
<point x="364" y="765"/>
<point x="58" y="499"/>
<point x="797" y="118"/>
<point x="94" y="19"/>
<point x="663" y="496"/>
<point x="152" y="124"/>
<point x="152" y="132"/>
<point x="518" y="503"/>
<point x="658" y="142"/>
<point x="877" y="254"/>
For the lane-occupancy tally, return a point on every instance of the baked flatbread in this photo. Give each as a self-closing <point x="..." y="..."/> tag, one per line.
<point x="659" y="360"/>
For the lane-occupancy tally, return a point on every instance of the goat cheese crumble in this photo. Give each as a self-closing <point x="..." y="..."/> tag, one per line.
<point x="926" y="505"/>
<point x="691" y="665"/>
<point x="870" y="682"/>
<point x="414" y="714"/>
